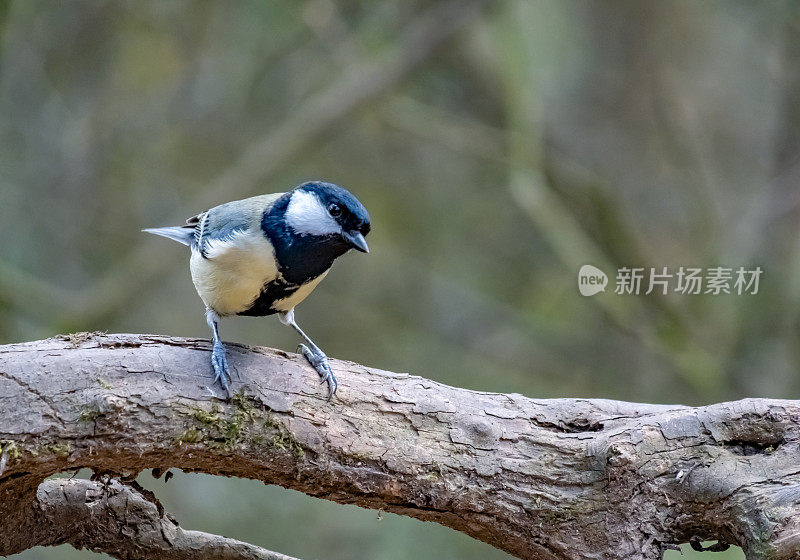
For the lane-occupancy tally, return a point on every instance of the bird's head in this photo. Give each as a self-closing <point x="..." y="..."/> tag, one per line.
<point x="328" y="211"/>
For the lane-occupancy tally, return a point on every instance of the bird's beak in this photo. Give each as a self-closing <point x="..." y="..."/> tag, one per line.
<point x="356" y="240"/>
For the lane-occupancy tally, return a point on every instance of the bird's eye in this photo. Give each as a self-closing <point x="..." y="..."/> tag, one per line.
<point x="335" y="210"/>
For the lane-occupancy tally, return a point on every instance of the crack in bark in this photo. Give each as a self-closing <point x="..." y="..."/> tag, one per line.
<point x="52" y="412"/>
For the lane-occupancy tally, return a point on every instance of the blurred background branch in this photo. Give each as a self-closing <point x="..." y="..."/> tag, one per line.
<point x="364" y="79"/>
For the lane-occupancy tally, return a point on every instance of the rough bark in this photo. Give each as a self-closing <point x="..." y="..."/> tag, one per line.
<point x="543" y="479"/>
<point x="113" y="517"/>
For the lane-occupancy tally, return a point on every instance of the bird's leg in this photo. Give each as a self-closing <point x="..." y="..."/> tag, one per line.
<point x="312" y="353"/>
<point x="218" y="358"/>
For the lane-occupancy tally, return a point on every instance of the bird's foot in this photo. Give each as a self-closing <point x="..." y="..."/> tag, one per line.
<point x="220" y="363"/>
<point x="320" y="362"/>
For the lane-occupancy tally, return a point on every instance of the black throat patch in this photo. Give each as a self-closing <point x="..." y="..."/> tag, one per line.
<point x="300" y="258"/>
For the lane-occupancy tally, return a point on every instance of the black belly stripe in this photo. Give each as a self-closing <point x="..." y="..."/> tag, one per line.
<point x="270" y="293"/>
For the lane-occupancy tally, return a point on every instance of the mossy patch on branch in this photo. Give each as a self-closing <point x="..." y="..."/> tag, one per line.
<point x="89" y="413"/>
<point x="282" y="438"/>
<point x="246" y="425"/>
<point x="9" y="449"/>
<point x="192" y="435"/>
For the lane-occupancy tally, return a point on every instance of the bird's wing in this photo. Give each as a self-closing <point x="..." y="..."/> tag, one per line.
<point x="224" y="222"/>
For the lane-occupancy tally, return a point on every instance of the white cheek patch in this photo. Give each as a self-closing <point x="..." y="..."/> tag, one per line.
<point x="306" y="215"/>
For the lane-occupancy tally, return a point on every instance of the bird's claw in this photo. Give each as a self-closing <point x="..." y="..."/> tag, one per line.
<point x="220" y="363"/>
<point x="320" y="363"/>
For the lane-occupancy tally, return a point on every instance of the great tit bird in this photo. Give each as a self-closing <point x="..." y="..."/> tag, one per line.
<point x="264" y="255"/>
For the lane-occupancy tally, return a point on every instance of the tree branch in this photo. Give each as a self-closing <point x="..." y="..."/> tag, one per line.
<point x="541" y="479"/>
<point x="116" y="519"/>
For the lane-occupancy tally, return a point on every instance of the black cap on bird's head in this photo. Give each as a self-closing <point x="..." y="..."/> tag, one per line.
<point x="327" y="210"/>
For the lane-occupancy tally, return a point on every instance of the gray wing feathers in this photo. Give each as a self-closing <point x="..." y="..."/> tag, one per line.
<point x="224" y="221"/>
<point x="219" y="223"/>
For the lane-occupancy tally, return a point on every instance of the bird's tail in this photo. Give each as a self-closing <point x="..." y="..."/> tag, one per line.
<point x="177" y="233"/>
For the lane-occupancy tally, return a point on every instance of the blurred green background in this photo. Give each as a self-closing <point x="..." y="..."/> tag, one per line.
<point x="537" y="137"/>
